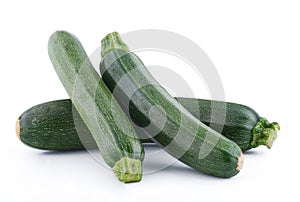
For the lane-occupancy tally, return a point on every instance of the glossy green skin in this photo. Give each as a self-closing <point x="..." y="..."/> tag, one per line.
<point x="114" y="135"/>
<point x="223" y="158"/>
<point x="50" y="125"/>
<point x="239" y="119"/>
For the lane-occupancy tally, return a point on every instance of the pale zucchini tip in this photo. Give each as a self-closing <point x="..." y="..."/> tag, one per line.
<point x="18" y="128"/>
<point x="240" y="162"/>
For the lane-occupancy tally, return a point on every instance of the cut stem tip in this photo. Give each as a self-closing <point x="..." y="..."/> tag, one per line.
<point x="264" y="133"/>
<point x="128" y="170"/>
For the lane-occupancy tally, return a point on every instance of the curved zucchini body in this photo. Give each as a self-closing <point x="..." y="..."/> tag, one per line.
<point x="241" y="123"/>
<point x="167" y="122"/>
<point x="50" y="126"/>
<point x="116" y="139"/>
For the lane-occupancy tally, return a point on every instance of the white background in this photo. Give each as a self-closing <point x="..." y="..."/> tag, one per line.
<point x="255" y="46"/>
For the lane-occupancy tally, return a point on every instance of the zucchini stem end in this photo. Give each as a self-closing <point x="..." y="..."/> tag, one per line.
<point x="264" y="133"/>
<point x="128" y="170"/>
<point x="112" y="41"/>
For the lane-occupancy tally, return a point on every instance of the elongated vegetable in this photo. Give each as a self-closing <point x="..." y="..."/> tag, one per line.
<point x="167" y="122"/>
<point x="51" y="126"/>
<point x="115" y="137"/>
<point x="242" y="124"/>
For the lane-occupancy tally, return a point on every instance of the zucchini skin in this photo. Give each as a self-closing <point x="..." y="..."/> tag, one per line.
<point x="50" y="125"/>
<point x="136" y="87"/>
<point x="115" y="138"/>
<point x="239" y="119"/>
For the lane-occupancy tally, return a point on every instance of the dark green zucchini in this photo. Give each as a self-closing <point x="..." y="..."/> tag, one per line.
<point x="115" y="137"/>
<point x="50" y="125"/>
<point x="241" y="123"/>
<point x="166" y="121"/>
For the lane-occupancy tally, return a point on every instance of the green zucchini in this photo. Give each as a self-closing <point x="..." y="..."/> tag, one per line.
<point x="50" y="125"/>
<point x="116" y="139"/>
<point x="241" y="123"/>
<point x="167" y="122"/>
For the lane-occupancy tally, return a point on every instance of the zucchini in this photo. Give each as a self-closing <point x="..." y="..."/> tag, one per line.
<point x="167" y="122"/>
<point x="242" y="124"/>
<point x="116" y="139"/>
<point x="50" y="125"/>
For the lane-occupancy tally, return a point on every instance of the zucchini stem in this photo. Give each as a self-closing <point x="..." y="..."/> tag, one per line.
<point x="112" y="41"/>
<point x="128" y="170"/>
<point x="264" y="133"/>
